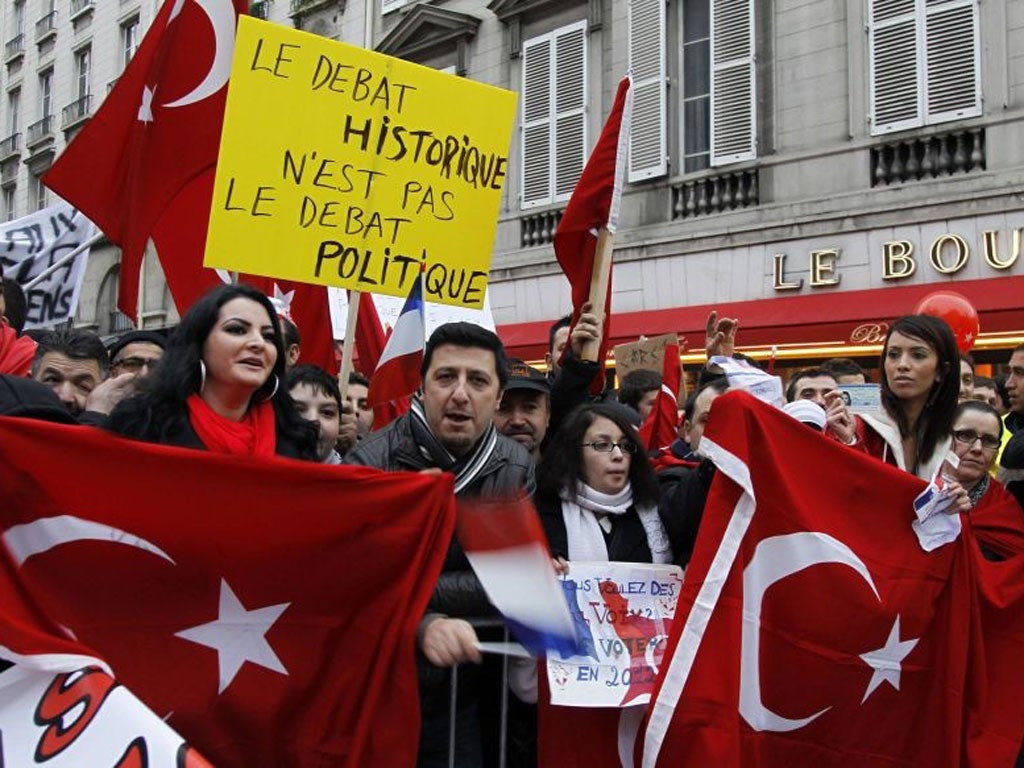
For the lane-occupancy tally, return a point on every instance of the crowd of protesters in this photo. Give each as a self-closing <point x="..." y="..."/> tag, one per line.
<point x="227" y="380"/>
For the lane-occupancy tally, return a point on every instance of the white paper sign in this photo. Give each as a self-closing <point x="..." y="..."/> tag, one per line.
<point x="623" y="614"/>
<point x="82" y="719"/>
<point x="33" y="243"/>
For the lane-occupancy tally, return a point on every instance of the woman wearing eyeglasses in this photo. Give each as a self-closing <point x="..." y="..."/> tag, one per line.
<point x="995" y="515"/>
<point x="597" y="493"/>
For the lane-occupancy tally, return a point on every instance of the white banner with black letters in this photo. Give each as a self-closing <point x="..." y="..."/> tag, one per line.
<point x="34" y="243"/>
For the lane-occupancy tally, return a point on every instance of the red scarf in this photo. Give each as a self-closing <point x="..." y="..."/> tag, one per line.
<point x="16" y="352"/>
<point x="254" y="435"/>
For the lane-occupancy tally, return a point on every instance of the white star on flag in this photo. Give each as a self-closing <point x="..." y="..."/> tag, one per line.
<point x="146" y="107"/>
<point x="887" y="660"/>
<point x="238" y="635"/>
<point x="283" y="301"/>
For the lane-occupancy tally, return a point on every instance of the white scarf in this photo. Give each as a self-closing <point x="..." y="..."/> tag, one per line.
<point x="584" y="530"/>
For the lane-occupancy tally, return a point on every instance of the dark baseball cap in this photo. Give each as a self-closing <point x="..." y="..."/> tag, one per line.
<point x="523" y="376"/>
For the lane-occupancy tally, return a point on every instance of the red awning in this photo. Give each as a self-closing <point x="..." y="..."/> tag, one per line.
<point x="825" y="317"/>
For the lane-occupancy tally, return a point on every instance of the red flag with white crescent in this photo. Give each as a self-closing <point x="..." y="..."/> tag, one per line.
<point x="813" y="628"/>
<point x="227" y="593"/>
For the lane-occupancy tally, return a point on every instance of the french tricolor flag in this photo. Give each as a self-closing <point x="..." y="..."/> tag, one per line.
<point x="398" y="373"/>
<point x="506" y="546"/>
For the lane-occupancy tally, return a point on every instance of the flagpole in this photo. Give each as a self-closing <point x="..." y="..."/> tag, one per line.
<point x="354" y="297"/>
<point x="62" y="261"/>
<point x="599" y="279"/>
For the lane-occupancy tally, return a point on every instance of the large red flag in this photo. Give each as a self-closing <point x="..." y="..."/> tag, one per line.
<point x="370" y="341"/>
<point x="813" y="629"/>
<point x="595" y="205"/>
<point x="157" y="131"/>
<point x="229" y="594"/>
<point x="143" y="166"/>
<point x="661" y="427"/>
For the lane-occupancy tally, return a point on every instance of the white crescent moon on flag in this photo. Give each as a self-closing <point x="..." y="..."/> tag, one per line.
<point x="221" y="14"/>
<point x="44" y="534"/>
<point x="774" y="559"/>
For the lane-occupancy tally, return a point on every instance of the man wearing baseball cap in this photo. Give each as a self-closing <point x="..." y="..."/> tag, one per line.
<point x="525" y="408"/>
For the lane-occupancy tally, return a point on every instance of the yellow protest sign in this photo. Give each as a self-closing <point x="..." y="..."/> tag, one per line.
<point x="342" y="166"/>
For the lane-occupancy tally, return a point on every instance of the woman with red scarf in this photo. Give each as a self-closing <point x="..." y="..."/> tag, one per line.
<point x="220" y="384"/>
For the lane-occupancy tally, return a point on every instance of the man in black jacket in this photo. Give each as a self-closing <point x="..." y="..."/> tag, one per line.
<point x="450" y="428"/>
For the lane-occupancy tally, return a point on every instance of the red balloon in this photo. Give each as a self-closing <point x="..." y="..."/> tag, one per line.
<point x="957" y="311"/>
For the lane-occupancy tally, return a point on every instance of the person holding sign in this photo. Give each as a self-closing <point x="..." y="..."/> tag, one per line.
<point x="220" y="384"/>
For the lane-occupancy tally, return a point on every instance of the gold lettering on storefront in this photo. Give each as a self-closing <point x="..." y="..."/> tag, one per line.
<point x="961" y="250"/>
<point x="991" y="249"/>
<point x="869" y="333"/>
<point x="823" y="267"/>
<point x="779" y="275"/>
<point x="898" y="259"/>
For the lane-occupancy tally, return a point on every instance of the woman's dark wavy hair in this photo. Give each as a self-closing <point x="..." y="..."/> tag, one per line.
<point x="936" y="420"/>
<point x="563" y="463"/>
<point x="158" y="412"/>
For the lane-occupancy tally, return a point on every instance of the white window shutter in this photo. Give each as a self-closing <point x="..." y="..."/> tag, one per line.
<point x="570" y="97"/>
<point x="648" y="157"/>
<point x="536" y="129"/>
<point x="386" y="6"/>
<point x="894" y="66"/>
<point x="733" y="88"/>
<point x="952" y="60"/>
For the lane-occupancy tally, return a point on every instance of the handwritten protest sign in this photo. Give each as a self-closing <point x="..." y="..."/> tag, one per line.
<point x="82" y="718"/>
<point x="647" y="354"/>
<point x="342" y="166"/>
<point x="33" y="243"/>
<point x="623" y="613"/>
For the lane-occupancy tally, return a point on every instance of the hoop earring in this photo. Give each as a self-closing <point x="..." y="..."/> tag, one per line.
<point x="202" y="376"/>
<point x="277" y="383"/>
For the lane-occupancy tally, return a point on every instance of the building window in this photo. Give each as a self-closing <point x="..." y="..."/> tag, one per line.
<point x="19" y="17"/>
<point x="37" y="192"/>
<point x="648" y="155"/>
<point x="9" y="210"/>
<point x="13" y="111"/>
<point x="554" y="97"/>
<point x="45" y="93"/>
<point x="83" y="58"/>
<point x="696" y="85"/>
<point x="924" y="59"/>
<point x="386" y="6"/>
<point x="129" y="40"/>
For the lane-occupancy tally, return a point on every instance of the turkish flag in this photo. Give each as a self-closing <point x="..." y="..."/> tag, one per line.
<point x="157" y="131"/>
<point x="813" y="629"/>
<point x="595" y="205"/>
<point x="661" y="427"/>
<point x="267" y="608"/>
<point x="143" y="167"/>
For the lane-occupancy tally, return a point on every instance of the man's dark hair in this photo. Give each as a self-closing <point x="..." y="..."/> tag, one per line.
<point x="719" y="384"/>
<point x="985" y="381"/>
<point x="17" y="308"/>
<point x="290" y="331"/>
<point x="636" y="384"/>
<point x="843" y="366"/>
<point x="355" y="377"/>
<point x="136" y="337"/>
<point x="74" y="344"/>
<point x="1004" y="396"/>
<point x="562" y="322"/>
<point x="317" y="378"/>
<point x="805" y="373"/>
<point x="467" y="335"/>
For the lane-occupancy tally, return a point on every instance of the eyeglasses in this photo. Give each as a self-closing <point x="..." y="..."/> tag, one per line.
<point x="969" y="436"/>
<point x="607" y="446"/>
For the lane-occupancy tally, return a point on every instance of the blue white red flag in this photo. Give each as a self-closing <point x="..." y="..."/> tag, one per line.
<point x="397" y="375"/>
<point x="505" y="545"/>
